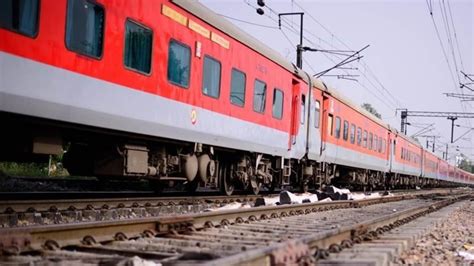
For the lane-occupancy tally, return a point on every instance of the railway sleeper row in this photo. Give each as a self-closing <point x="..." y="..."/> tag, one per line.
<point x="285" y="237"/>
<point x="27" y="213"/>
<point x="55" y="212"/>
<point x="388" y="246"/>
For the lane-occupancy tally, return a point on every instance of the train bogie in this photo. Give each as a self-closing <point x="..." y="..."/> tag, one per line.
<point x="167" y="91"/>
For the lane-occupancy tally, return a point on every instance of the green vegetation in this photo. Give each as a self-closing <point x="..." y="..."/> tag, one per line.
<point x="24" y="169"/>
<point x="33" y="169"/>
<point x="371" y="109"/>
<point x="465" y="164"/>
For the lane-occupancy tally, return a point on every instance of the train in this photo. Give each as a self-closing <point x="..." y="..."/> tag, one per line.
<point x="168" y="91"/>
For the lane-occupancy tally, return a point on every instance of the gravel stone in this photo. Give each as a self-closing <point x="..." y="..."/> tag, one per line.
<point x="441" y="246"/>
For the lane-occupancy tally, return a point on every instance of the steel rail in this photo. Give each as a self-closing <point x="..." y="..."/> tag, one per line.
<point x="54" y="236"/>
<point x="335" y="239"/>
<point x="11" y="206"/>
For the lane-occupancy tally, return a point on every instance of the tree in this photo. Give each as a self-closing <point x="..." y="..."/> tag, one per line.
<point x="465" y="163"/>
<point x="370" y="109"/>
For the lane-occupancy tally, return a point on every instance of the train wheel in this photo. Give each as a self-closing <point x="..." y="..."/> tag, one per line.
<point x="256" y="189"/>
<point x="255" y="185"/>
<point x="304" y="187"/>
<point x="227" y="185"/>
<point x="276" y="183"/>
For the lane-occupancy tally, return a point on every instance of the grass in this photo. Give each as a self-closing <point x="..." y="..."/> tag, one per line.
<point x="29" y="169"/>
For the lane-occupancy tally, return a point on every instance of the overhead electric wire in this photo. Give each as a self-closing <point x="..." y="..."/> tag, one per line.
<point x="389" y="94"/>
<point x="367" y="73"/>
<point x="455" y="35"/>
<point x="289" y="27"/>
<point x="444" y="16"/>
<point x="393" y="104"/>
<point x="249" y="22"/>
<point x="389" y="105"/>
<point x="442" y="48"/>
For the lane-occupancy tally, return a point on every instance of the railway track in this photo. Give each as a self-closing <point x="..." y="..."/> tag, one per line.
<point x="56" y="209"/>
<point x="53" y="211"/>
<point x="271" y="234"/>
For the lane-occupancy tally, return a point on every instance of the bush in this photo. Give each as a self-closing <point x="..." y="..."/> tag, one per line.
<point x="24" y="169"/>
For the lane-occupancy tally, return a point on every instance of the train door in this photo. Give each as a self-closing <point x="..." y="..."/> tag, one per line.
<point x="315" y="125"/>
<point x="327" y="128"/>
<point x="388" y="151"/>
<point x="393" y="148"/>
<point x="297" y="141"/>
<point x="424" y="170"/>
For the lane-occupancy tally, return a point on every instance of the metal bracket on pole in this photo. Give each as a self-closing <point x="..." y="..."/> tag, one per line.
<point x="299" y="47"/>
<point x="452" y="118"/>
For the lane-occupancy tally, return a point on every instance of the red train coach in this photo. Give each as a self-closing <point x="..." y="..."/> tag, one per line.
<point x="169" y="91"/>
<point x="109" y="77"/>
<point x="355" y="141"/>
<point x="443" y="173"/>
<point x="430" y="167"/>
<point x="407" y="159"/>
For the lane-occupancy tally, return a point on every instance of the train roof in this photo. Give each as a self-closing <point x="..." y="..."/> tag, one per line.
<point x="207" y="15"/>
<point x="204" y="13"/>
<point x="227" y="27"/>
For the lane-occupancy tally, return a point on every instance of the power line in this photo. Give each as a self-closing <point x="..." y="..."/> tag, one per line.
<point x="287" y="25"/>
<point x="395" y="100"/>
<point x="448" y="34"/>
<point x="442" y="46"/>
<point x="455" y="35"/>
<point x="248" y="22"/>
<point x="444" y="15"/>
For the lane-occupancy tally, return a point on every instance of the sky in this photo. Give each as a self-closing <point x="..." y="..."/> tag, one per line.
<point x="404" y="66"/>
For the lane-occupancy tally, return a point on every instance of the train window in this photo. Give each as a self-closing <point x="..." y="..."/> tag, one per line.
<point x="345" y="132"/>
<point x="353" y="129"/>
<point x="380" y="145"/>
<point x="138" y="42"/>
<point x="237" y="87"/>
<point x="376" y="140"/>
<point x="337" y="130"/>
<point x="259" y="95"/>
<point x="277" y="110"/>
<point x="20" y="16"/>
<point x="317" y="113"/>
<point x="179" y="62"/>
<point x="371" y="141"/>
<point x="303" y="108"/>
<point x="211" y="81"/>
<point x="85" y="27"/>
<point x="330" y="122"/>
<point x="384" y="146"/>
<point x="359" y="136"/>
<point x="365" y="139"/>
